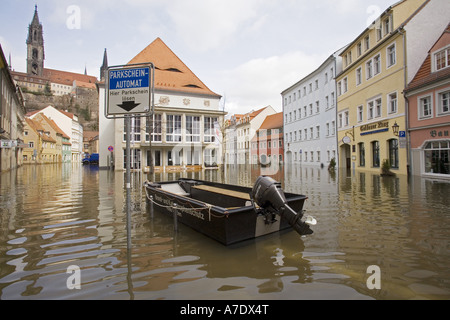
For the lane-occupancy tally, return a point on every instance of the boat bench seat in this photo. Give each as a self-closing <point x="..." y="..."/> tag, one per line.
<point x="174" y="188"/>
<point x="231" y="193"/>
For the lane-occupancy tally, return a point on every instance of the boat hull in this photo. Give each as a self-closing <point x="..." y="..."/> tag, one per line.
<point x="219" y="211"/>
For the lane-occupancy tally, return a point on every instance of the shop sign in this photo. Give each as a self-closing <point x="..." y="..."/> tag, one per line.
<point x="442" y="133"/>
<point x="6" y="144"/>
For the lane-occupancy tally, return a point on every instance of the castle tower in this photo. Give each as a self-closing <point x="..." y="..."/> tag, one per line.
<point x="35" y="47"/>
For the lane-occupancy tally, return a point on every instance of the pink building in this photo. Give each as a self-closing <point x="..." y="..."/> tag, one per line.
<point x="267" y="145"/>
<point x="428" y="97"/>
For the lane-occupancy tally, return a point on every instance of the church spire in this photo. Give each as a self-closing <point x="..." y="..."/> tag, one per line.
<point x="104" y="66"/>
<point x="35" y="46"/>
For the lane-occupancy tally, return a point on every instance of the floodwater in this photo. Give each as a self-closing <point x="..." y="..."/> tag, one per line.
<point x="376" y="238"/>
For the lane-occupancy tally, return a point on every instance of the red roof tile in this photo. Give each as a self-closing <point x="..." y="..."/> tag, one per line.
<point x="170" y="72"/>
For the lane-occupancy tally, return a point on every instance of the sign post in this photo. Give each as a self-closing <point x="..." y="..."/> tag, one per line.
<point x="129" y="93"/>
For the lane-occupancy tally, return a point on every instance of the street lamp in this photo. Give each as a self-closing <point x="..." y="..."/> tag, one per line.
<point x="395" y="128"/>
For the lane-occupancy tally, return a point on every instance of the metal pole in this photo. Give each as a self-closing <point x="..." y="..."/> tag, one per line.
<point x="128" y="176"/>
<point x="175" y="217"/>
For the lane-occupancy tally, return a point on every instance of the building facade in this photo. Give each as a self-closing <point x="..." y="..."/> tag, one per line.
<point x="12" y="112"/>
<point x="246" y="127"/>
<point x="377" y="65"/>
<point x="183" y="134"/>
<point x="43" y="146"/>
<point x="267" y="148"/>
<point x="428" y="97"/>
<point x="69" y="124"/>
<point x="309" y="109"/>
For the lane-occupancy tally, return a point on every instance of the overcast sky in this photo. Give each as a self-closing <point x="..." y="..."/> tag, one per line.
<point x="248" y="51"/>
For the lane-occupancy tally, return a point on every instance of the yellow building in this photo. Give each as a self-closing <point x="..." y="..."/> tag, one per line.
<point x="377" y="65"/>
<point x="41" y="145"/>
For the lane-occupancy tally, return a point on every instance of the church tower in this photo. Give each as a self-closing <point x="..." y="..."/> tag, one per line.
<point x="35" y="47"/>
<point x="104" y="67"/>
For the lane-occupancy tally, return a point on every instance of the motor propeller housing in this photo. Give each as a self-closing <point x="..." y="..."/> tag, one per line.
<point x="269" y="196"/>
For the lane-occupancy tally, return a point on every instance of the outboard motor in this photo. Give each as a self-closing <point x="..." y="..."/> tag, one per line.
<point x="269" y="196"/>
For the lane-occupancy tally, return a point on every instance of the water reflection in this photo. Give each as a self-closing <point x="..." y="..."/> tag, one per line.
<point x="55" y="216"/>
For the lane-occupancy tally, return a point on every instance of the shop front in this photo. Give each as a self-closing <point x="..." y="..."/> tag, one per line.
<point x="430" y="152"/>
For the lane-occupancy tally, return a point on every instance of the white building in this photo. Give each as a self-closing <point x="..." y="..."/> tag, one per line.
<point x="309" y="110"/>
<point x="183" y="132"/>
<point x="240" y="132"/>
<point x="68" y="122"/>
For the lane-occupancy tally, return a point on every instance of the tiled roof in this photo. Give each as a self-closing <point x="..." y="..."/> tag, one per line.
<point x="273" y="121"/>
<point x="39" y="129"/>
<point x="425" y="75"/>
<point x="170" y="72"/>
<point x="67" y="78"/>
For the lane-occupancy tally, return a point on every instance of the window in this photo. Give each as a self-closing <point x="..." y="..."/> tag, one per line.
<point x="358" y="76"/>
<point x="391" y="55"/>
<point x="192" y="129"/>
<point x="209" y="129"/>
<point x="318" y="132"/>
<point x="393" y="153"/>
<point x="379" y="33"/>
<point x="346" y="119"/>
<point x="359" y="49"/>
<point x="317" y="107"/>
<point x="154" y="125"/>
<point x="367" y="43"/>
<point x="442" y="59"/>
<point x="378" y="108"/>
<point x="387" y="25"/>
<point x="135" y="161"/>
<point x="392" y="103"/>
<point x="173" y="129"/>
<point x="377" y="64"/>
<point x="374" y="108"/>
<point x="135" y="130"/>
<point x="375" y="154"/>
<point x="369" y="69"/>
<point x="437" y="155"/>
<point x="444" y="103"/>
<point x="210" y="157"/>
<point x="360" y="113"/>
<point x="425" y="107"/>
<point x="370" y="110"/>
<point x="362" y="154"/>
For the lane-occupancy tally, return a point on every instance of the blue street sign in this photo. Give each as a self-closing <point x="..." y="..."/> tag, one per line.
<point x="128" y="90"/>
<point x="402" y="134"/>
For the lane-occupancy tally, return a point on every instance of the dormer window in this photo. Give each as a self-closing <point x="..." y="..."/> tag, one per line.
<point x="442" y="59"/>
<point x="387" y="25"/>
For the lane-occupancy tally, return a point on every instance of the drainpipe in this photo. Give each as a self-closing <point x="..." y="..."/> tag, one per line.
<point x="405" y="66"/>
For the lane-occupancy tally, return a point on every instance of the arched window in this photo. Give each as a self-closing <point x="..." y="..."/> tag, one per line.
<point x="393" y="153"/>
<point x="375" y="154"/>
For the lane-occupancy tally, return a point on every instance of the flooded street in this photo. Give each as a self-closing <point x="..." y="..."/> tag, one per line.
<point x="53" y="217"/>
